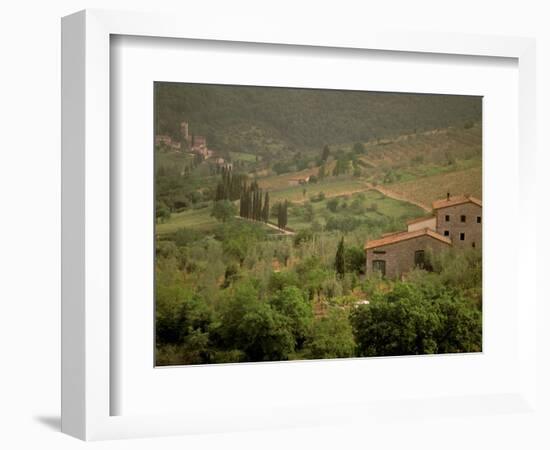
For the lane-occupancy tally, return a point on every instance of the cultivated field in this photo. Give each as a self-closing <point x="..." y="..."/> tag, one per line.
<point x="427" y="189"/>
<point x="370" y="207"/>
<point x="424" y="154"/>
<point x="334" y="187"/>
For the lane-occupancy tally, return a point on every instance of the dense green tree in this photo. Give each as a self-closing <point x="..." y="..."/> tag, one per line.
<point x="291" y="302"/>
<point x="179" y="314"/>
<point x="331" y="337"/>
<point x="253" y="326"/>
<point x="412" y="319"/>
<point x="279" y="280"/>
<point x="265" y="211"/>
<point x="340" y="259"/>
<point x="332" y="204"/>
<point x="326" y="153"/>
<point x="223" y="210"/>
<point x="355" y="259"/>
<point x="282" y="214"/>
<point x="162" y="212"/>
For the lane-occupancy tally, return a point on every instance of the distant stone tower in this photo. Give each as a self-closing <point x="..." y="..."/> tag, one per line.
<point x="184" y="132"/>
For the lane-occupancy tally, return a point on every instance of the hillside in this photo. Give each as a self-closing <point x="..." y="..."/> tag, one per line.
<point x="427" y="189"/>
<point x="281" y="120"/>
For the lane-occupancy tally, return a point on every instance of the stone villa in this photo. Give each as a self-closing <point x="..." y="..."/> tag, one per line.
<point x="455" y="222"/>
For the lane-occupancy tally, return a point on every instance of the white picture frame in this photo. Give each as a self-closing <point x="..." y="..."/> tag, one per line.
<point x="87" y="386"/>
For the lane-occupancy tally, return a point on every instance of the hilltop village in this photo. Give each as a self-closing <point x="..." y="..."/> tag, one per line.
<point x="191" y="143"/>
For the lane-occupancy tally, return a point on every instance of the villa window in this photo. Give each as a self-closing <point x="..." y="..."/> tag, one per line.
<point x="446" y="233"/>
<point x="462" y="236"/>
<point x="419" y="258"/>
<point x="463" y="218"/>
<point x="447" y="218"/>
<point x="379" y="265"/>
<point x="478" y="219"/>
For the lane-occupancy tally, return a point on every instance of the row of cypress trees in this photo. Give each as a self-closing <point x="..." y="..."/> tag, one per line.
<point x="254" y="205"/>
<point x="231" y="186"/>
<point x="282" y="214"/>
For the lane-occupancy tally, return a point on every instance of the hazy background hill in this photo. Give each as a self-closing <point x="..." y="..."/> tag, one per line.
<point x="260" y="120"/>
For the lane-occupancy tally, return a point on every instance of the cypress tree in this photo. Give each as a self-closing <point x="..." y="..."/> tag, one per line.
<point x="340" y="262"/>
<point x="265" y="212"/>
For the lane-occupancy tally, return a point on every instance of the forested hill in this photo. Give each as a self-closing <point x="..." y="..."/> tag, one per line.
<point x="246" y="118"/>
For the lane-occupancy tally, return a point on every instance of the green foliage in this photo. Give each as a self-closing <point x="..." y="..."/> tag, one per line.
<point x="278" y="280"/>
<point x="183" y="318"/>
<point x="308" y="212"/>
<point x="254" y="327"/>
<point x="331" y="337"/>
<point x="359" y="148"/>
<point x="342" y="166"/>
<point x="246" y="117"/>
<point x="162" y="212"/>
<point x="303" y="236"/>
<point x="223" y="210"/>
<point x="318" y="198"/>
<point x="291" y="302"/>
<point x="355" y="259"/>
<point x="325" y="154"/>
<point x="332" y="204"/>
<point x="409" y="320"/>
<point x="186" y="236"/>
<point x="282" y="214"/>
<point x="340" y="259"/>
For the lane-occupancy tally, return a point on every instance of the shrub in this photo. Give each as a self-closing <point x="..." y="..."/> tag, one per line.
<point x="331" y="337"/>
<point x="411" y="319"/>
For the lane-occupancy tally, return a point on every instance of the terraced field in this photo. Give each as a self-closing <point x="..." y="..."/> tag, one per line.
<point x="418" y="155"/>
<point x="427" y="189"/>
<point x="332" y="187"/>
<point x="370" y="206"/>
<point x="435" y="146"/>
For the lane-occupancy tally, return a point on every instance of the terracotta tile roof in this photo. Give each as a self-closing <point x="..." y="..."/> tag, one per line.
<point x="456" y="200"/>
<point x="393" y="233"/>
<point x="419" y="219"/>
<point x="398" y="237"/>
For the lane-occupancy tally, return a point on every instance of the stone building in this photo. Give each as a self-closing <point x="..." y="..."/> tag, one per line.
<point x="184" y="129"/>
<point x="456" y="222"/>
<point x="459" y="218"/>
<point x="400" y="252"/>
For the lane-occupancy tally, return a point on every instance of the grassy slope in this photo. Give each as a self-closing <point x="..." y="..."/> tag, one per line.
<point x="428" y="189"/>
<point x="424" y="154"/>
<point x="237" y="118"/>
<point x="199" y="219"/>
<point x="383" y="207"/>
<point x="330" y="187"/>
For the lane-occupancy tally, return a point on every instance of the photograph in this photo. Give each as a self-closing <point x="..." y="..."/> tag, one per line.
<point x="312" y="224"/>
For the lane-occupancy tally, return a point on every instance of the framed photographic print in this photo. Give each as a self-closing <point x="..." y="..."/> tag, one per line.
<point x="297" y="224"/>
<point x="266" y="229"/>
